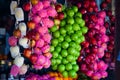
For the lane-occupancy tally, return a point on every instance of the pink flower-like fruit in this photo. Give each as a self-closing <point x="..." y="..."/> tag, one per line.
<point x="39" y="43"/>
<point x="14" y="70"/>
<point x="45" y="48"/>
<point x="12" y="41"/>
<point x="47" y="37"/>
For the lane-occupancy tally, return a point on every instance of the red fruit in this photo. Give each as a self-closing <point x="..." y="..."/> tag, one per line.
<point x="60" y="15"/>
<point x="108" y="1"/>
<point x="26" y="6"/>
<point x="79" y="5"/>
<point x="93" y="17"/>
<point x="33" y="58"/>
<point x="109" y="12"/>
<point x="92" y="3"/>
<point x="106" y="24"/>
<point x="89" y="73"/>
<point x="90" y="9"/>
<point x="103" y="5"/>
<point x="93" y="41"/>
<point x="58" y="8"/>
<point x="83" y="10"/>
<point x="27" y="53"/>
<point x="95" y="8"/>
<point x="85" y="44"/>
<point x="86" y="4"/>
<point x="112" y="18"/>
<point x="87" y="50"/>
<point x="107" y="55"/>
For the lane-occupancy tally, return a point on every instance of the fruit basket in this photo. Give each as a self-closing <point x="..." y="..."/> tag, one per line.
<point x="57" y="40"/>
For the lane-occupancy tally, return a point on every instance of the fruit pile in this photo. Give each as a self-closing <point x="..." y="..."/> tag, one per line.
<point x="33" y="76"/>
<point x="110" y="27"/>
<point x="49" y="76"/>
<point x="40" y="21"/>
<point x="93" y="48"/>
<point x="59" y="76"/>
<point x="65" y="43"/>
<point x="32" y="41"/>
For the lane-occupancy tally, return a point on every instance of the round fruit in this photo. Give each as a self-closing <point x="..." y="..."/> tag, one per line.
<point x="70" y="20"/>
<point x="70" y="12"/>
<point x="53" y="29"/>
<point x="84" y="30"/>
<point x="78" y="20"/>
<point x="54" y="42"/>
<point x="65" y="74"/>
<point x="68" y="66"/>
<point x="58" y="61"/>
<point x="52" y="48"/>
<point x="56" y="34"/>
<point x="78" y="14"/>
<point x="62" y="23"/>
<point x="53" y="61"/>
<point x="76" y="27"/>
<point x="68" y="27"/>
<point x="64" y="53"/>
<point x="75" y="67"/>
<point x="64" y="61"/>
<point x="71" y="50"/>
<point x="62" y="31"/>
<point x="65" y="45"/>
<point x="58" y="49"/>
<point x="70" y="58"/>
<point x="61" y="68"/>
<point x="75" y="8"/>
<point x="74" y="37"/>
<point x="54" y="54"/>
<point x="54" y="67"/>
<point x="72" y="74"/>
<point x="67" y="38"/>
<point x="61" y="38"/>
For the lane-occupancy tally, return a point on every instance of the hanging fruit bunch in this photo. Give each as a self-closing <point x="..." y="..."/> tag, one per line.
<point x="33" y="36"/>
<point x="14" y="41"/>
<point x="110" y="27"/>
<point x="68" y="32"/>
<point x="93" y="48"/>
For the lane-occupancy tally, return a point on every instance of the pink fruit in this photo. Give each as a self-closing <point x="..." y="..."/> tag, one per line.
<point x="48" y="55"/>
<point x="23" y="69"/>
<point x="14" y="70"/>
<point x="89" y="73"/>
<point x="47" y="63"/>
<point x="104" y="74"/>
<point x="39" y="43"/>
<point x="100" y="21"/>
<point x="42" y="30"/>
<point x="96" y="76"/>
<point x="47" y="22"/>
<point x="46" y="3"/>
<point x="47" y="37"/>
<point x="38" y="67"/>
<point x="102" y="14"/>
<point x="41" y="60"/>
<point x="36" y="19"/>
<point x="42" y="13"/>
<point x="12" y="41"/>
<point x="51" y="11"/>
<point x="37" y="50"/>
<point x="38" y="6"/>
<point x="45" y="49"/>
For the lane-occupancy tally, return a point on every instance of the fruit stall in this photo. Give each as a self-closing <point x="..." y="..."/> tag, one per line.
<point x="57" y="40"/>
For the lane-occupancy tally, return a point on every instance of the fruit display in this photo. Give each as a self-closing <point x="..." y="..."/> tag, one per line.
<point x="109" y="24"/>
<point x="33" y="36"/>
<point x="48" y="76"/>
<point x="66" y="39"/>
<point x="47" y="40"/>
<point x="94" y="47"/>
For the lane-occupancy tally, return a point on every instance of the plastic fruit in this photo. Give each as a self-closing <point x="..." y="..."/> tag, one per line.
<point x="31" y="25"/>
